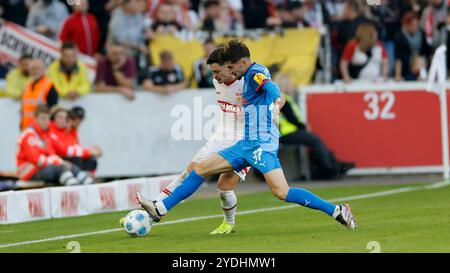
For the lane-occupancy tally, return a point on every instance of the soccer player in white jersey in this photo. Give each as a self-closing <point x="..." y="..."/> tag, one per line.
<point x="229" y="130"/>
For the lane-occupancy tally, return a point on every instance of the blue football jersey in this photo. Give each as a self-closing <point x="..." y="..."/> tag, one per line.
<point x="259" y="107"/>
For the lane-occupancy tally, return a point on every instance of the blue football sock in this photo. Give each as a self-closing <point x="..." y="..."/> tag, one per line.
<point x="189" y="185"/>
<point x="310" y="200"/>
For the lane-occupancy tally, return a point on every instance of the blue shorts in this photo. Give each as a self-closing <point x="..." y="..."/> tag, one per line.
<point x="251" y="153"/>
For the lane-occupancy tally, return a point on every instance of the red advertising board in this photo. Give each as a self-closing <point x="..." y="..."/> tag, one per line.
<point x="379" y="129"/>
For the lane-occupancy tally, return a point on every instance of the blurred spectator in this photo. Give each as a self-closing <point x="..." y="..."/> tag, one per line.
<point x="76" y="116"/>
<point x="217" y="17"/>
<point x="445" y="38"/>
<point x="165" y="20"/>
<point x="15" y="11"/>
<point x="39" y="91"/>
<point x="353" y="16"/>
<point x="410" y="43"/>
<point x="290" y="15"/>
<point x="101" y="9"/>
<point x="82" y="29"/>
<point x="69" y="75"/>
<point x="316" y="13"/>
<point x="294" y="131"/>
<point x="116" y="72"/>
<point x="433" y="16"/>
<point x="185" y="17"/>
<point x="46" y="17"/>
<point x="64" y="139"/>
<point x="127" y="26"/>
<point x="18" y="78"/>
<point x="166" y="78"/>
<point x="335" y="9"/>
<point x="364" y="57"/>
<point x="36" y="158"/>
<point x="202" y="73"/>
<point x="263" y="8"/>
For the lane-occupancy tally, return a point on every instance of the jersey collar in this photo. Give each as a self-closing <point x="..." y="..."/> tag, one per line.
<point x="245" y="75"/>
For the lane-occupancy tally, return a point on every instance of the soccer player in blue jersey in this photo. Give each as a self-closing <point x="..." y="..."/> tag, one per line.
<point x="259" y="147"/>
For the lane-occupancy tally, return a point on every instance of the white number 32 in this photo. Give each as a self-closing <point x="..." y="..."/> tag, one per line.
<point x="374" y="100"/>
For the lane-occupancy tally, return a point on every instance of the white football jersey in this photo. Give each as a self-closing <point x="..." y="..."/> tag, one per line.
<point x="229" y="98"/>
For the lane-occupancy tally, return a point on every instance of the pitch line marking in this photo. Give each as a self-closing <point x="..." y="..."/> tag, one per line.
<point x="199" y="218"/>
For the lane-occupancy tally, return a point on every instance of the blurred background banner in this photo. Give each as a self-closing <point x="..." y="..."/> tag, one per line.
<point x="16" y="40"/>
<point x="295" y="49"/>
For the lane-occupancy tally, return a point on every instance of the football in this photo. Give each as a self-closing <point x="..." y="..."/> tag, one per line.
<point x="137" y="223"/>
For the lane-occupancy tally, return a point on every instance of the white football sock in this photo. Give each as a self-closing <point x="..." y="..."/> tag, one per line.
<point x="228" y="201"/>
<point x="172" y="186"/>
<point x="161" y="208"/>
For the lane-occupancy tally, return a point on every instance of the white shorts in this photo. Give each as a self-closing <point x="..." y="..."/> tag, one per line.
<point x="214" y="145"/>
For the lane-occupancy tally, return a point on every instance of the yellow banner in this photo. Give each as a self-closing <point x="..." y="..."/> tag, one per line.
<point x="295" y="49"/>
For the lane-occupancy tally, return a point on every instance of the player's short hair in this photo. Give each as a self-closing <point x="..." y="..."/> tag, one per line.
<point x="216" y="57"/>
<point x="235" y="50"/>
<point x="41" y="109"/>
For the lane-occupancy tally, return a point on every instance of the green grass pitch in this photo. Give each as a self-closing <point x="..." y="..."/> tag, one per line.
<point x="415" y="221"/>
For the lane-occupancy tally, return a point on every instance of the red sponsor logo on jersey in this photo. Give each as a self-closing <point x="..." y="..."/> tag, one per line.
<point x="229" y="107"/>
<point x="108" y="197"/>
<point x="3" y="208"/>
<point x="69" y="203"/>
<point x="36" y="204"/>
<point x="132" y="190"/>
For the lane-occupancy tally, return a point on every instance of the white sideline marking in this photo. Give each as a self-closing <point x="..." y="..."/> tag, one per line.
<point x="199" y="218"/>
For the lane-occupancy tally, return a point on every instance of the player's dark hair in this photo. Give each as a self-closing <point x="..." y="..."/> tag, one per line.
<point x="216" y="57"/>
<point x="235" y="50"/>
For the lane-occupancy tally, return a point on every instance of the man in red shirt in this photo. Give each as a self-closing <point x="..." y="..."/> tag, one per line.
<point x="37" y="160"/>
<point x="82" y="29"/>
<point x="65" y="140"/>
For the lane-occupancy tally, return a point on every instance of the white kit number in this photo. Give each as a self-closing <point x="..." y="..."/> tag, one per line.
<point x="375" y="101"/>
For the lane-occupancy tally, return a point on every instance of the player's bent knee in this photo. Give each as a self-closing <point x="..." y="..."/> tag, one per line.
<point x="280" y="193"/>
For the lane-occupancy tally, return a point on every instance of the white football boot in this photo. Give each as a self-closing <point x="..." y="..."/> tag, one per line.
<point x="343" y="214"/>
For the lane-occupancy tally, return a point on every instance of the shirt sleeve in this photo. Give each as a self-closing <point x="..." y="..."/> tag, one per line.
<point x="257" y="80"/>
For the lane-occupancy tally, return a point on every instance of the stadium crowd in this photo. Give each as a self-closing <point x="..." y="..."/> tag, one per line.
<point x="374" y="40"/>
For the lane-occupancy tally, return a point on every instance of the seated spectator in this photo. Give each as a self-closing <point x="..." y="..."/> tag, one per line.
<point x="127" y="26"/>
<point x="17" y="78"/>
<point x="39" y="91"/>
<point x="364" y="58"/>
<point x="46" y="17"/>
<point x="217" y="17"/>
<point x="116" y="72"/>
<point x="81" y="28"/>
<point x="410" y="43"/>
<point x="165" y="20"/>
<point x="36" y="158"/>
<point x="166" y="78"/>
<point x="69" y="75"/>
<point x="202" y="73"/>
<point x="294" y="131"/>
<point x="15" y="11"/>
<point x="186" y="17"/>
<point x="64" y="139"/>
